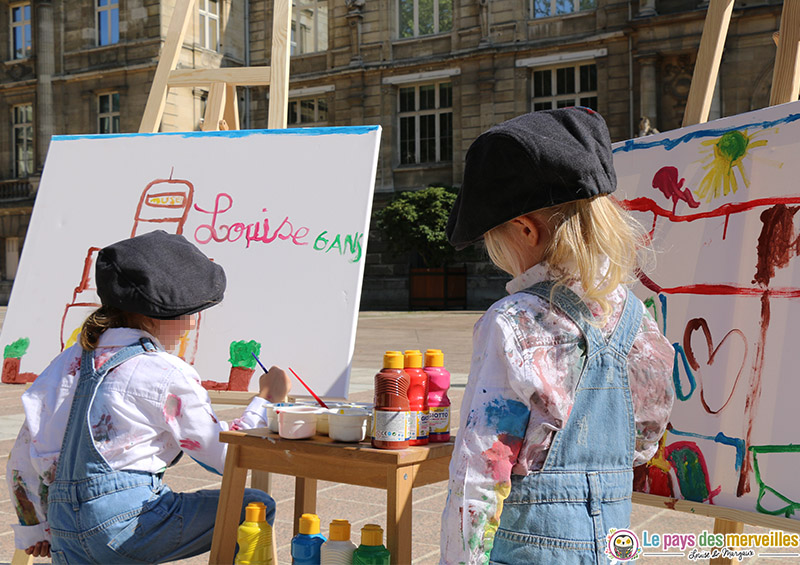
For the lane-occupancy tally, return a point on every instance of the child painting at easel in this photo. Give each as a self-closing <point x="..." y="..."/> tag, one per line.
<point x="570" y="381"/>
<point x="111" y="413"/>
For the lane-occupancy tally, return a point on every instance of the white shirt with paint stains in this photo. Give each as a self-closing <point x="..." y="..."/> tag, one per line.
<point x="526" y="361"/>
<point x="147" y="410"/>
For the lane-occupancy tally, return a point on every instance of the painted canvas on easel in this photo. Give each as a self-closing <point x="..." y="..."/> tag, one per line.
<point x="721" y="201"/>
<point x="285" y="212"/>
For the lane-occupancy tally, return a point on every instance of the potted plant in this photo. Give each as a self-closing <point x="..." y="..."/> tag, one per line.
<point x="413" y="224"/>
<point x="243" y="363"/>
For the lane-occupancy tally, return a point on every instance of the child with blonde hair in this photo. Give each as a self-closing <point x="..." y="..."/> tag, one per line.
<point x="570" y="381"/>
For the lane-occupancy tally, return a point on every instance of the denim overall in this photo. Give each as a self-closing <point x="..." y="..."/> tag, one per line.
<point x="98" y="515"/>
<point x="561" y="514"/>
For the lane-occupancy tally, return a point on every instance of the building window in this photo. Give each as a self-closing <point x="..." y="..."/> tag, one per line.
<point x="108" y="113"/>
<point x="209" y="24"/>
<point x="424" y="17"/>
<point x="560" y="87"/>
<point x="547" y="8"/>
<point x="426" y="123"/>
<point x="22" y="120"/>
<point x="107" y="22"/>
<point x="21" y="41"/>
<point x="309" y="26"/>
<point x="308" y="112"/>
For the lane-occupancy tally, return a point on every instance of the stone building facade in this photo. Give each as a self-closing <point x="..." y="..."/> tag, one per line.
<point x="433" y="74"/>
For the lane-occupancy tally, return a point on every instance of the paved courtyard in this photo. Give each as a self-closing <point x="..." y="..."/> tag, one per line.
<point x="377" y="332"/>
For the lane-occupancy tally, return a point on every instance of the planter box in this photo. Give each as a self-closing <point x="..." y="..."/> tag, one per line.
<point x="442" y="288"/>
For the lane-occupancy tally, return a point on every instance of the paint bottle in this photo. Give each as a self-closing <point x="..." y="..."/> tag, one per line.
<point x="438" y="402"/>
<point x="371" y="551"/>
<point x="390" y="415"/>
<point x="306" y="544"/>
<point x="338" y="550"/>
<point x="254" y="537"/>
<point x="417" y="398"/>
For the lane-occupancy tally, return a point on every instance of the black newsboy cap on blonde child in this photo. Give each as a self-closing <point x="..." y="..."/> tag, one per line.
<point x="159" y="275"/>
<point x="531" y="162"/>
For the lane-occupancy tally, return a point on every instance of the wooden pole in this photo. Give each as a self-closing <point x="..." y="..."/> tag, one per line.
<point x="786" y="75"/>
<point x="170" y="53"/>
<point x="279" y="64"/>
<point x="706" y="68"/>
<point x="723" y="526"/>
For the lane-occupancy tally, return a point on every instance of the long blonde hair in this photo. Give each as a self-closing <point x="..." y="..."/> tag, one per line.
<point x="107" y="317"/>
<point x="583" y="234"/>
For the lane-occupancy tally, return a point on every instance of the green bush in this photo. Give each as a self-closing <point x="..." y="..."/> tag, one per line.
<point x="415" y="220"/>
<point x="242" y="353"/>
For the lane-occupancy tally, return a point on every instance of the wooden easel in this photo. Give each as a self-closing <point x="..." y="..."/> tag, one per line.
<point x="785" y="88"/>
<point x="222" y="112"/>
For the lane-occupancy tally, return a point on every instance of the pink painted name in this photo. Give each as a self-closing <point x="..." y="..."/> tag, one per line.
<point x="255" y="231"/>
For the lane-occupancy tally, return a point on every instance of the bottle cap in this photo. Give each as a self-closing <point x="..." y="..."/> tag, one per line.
<point x="434" y="358"/>
<point x="413" y="359"/>
<point x="340" y="530"/>
<point x="253" y="512"/>
<point x="393" y="360"/>
<point x="309" y="524"/>
<point x="372" y="534"/>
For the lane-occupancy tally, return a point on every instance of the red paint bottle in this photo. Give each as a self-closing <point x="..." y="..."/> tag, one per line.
<point x="390" y="417"/>
<point x="417" y="398"/>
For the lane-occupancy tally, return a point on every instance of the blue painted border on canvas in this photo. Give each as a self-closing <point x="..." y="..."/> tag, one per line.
<point x="237" y="133"/>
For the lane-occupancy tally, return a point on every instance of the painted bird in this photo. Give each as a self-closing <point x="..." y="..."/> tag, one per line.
<point x="666" y="180"/>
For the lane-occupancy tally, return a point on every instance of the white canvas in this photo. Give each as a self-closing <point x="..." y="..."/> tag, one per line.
<point x="721" y="199"/>
<point x="295" y="292"/>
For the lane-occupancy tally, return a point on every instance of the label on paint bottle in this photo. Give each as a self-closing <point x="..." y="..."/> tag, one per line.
<point x="419" y="425"/>
<point x="390" y="426"/>
<point x="439" y="420"/>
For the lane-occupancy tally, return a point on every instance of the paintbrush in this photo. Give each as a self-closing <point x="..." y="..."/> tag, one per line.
<point x="317" y="398"/>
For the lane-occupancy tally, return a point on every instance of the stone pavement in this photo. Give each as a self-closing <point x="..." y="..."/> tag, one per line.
<point x="377" y="332"/>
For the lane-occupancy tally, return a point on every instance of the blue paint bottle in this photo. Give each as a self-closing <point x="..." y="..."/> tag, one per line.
<point x="306" y="545"/>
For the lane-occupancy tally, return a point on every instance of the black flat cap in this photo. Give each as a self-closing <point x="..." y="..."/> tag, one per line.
<point x="159" y="275"/>
<point x="531" y="162"/>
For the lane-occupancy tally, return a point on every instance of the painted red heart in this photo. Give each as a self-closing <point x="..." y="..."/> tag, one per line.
<point x="700" y="323"/>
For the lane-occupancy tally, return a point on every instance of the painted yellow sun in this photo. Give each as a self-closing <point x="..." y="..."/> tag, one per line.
<point x="724" y="156"/>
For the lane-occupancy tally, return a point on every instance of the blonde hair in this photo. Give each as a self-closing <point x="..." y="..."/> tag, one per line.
<point x="583" y="234"/>
<point x="107" y="317"/>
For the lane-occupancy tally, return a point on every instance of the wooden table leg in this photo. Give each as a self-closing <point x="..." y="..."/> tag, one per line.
<point x="261" y="480"/>
<point x="305" y="500"/>
<point x="398" y="512"/>
<point x="223" y="543"/>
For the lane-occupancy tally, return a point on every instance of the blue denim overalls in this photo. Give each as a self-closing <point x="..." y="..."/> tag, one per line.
<point x="98" y="515"/>
<point x="561" y="514"/>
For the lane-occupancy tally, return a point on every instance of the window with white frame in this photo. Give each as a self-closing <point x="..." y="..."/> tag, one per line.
<point x="425" y="114"/>
<point x="21" y="40"/>
<point x="209" y="24"/>
<point x="562" y="86"/>
<point x="424" y="17"/>
<point x="108" y="113"/>
<point x="309" y="26"/>
<point x="308" y="111"/>
<point x="107" y="21"/>
<point x="547" y="8"/>
<point x="22" y="120"/>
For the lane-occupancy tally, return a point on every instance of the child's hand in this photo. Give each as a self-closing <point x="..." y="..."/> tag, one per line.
<point x="274" y="385"/>
<point x="40" y="549"/>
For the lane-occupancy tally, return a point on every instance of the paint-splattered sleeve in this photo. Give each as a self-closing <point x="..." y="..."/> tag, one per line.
<point x="650" y="375"/>
<point x="493" y="421"/>
<point x="186" y="411"/>
<point x="28" y="492"/>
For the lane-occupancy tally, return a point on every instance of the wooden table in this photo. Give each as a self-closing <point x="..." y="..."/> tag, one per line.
<point x="320" y="458"/>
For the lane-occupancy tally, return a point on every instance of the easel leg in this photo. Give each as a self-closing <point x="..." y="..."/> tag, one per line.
<point x="723" y="526"/>
<point x="305" y="500"/>
<point x="786" y="75"/>
<point x="21" y="558"/>
<point x="223" y="543"/>
<point x="398" y="512"/>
